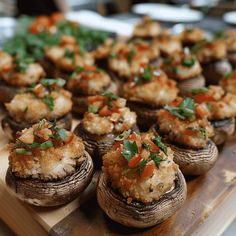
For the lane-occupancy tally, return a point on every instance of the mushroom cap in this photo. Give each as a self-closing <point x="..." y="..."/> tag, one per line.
<point x="195" y="162"/>
<point x="52" y="193"/>
<point x="97" y="145"/>
<point x="137" y="214"/>
<point x="7" y="92"/>
<point x="11" y="127"/>
<point x="223" y="129"/>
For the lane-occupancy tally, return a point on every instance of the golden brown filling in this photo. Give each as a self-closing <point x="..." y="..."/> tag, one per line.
<point x="45" y="100"/>
<point x="228" y="83"/>
<point x="207" y="51"/>
<point x="107" y="113"/>
<point x="184" y="122"/>
<point x="141" y="167"/>
<point x="125" y="59"/>
<point x="192" y="35"/>
<point x="45" y="152"/>
<point x="230" y="39"/>
<point x="88" y="80"/>
<point x="181" y="66"/>
<point x="67" y="54"/>
<point x="19" y="71"/>
<point x="150" y="86"/>
<point x="220" y="105"/>
<point x="147" y="28"/>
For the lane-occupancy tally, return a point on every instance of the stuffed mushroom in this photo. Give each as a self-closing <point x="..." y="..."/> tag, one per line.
<point x="46" y="99"/>
<point x="48" y="166"/>
<point x="147" y="92"/>
<point x="187" y="131"/>
<point x="16" y="73"/>
<point x="185" y="69"/>
<point x="106" y="118"/>
<point x="140" y="185"/>
<point x="88" y="81"/>
<point x="221" y="108"/>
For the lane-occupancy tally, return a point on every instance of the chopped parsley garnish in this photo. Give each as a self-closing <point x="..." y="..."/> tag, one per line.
<point x="123" y="135"/>
<point x="209" y="106"/>
<point x="184" y="111"/>
<point x="70" y="54"/>
<point x="141" y="166"/>
<point x="92" y="109"/>
<point x="131" y="55"/>
<point x="195" y="91"/>
<point x="146" y="146"/>
<point x="110" y="95"/>
<point x="22" y="151"/>
<point x="129" y="149"/>
<point x="203" y="131"/>
<point x="113" y="55"/>
<point x="23" y="63"/>
<point x="156" y="158"/>
<point x="167" y="60"/>
<point x="146" y="74"/>
<point x="46" y="145"/>
<point x="175" y="70"/>
<point x="219" y="34"/>
<point x="160" y="144"/>
<point x="228" y="75"/>
<point x="48" y="100"/>
<point x="188" y="62"/>
<point x="62" y="134"/>
<point x="49" y="82"/>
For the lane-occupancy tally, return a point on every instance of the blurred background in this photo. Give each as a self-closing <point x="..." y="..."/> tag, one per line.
<point x="105" y="7"/>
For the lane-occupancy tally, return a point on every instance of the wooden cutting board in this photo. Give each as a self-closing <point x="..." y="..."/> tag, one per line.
<point x="84" y="217"/>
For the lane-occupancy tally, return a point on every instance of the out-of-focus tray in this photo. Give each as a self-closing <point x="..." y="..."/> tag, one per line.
<point x="84" y="217"/>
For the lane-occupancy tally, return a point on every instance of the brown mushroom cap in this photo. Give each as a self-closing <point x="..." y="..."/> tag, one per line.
<point x="223" y="129"/>
<point x="137" y="214"/>
<point x="11" y="127"/>
<point x="52" y="193"/>
<point x="97" y="145"/>
<point x="185" y="86"/>
<point x="195" y="162"/>
<point x="7" y="92"/>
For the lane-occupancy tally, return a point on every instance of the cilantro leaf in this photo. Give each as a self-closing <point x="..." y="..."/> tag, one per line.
<point x="146" y="146"/>
<point x="188" y="62"/>
<point x="46" y="145"/>
<point x="110" y="95"/>
<point x="160" y="144"/>
<point x="22" y="151"/>
<point x="48" y="100"/>
<point x="49" y="82"/>
<point x="131" y="55"/>
<point x="92" y="109"/>
<point x="62" y="134"/>
<point x="199" y="90"/>
<point x="123" y="135"/>
<point x="146" y="74"/>
<point x="129" y="149"/>
<point x="156" y="158"/>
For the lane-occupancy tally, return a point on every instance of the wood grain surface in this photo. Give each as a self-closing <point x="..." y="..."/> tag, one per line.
<point x="84" y="217"/>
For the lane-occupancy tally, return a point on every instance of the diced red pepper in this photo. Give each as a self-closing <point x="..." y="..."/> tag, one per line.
<point x="203" y="97"/>
<point x="148" y="171"/>
<point x="105" y="111"/>
<point x="135" y="160"/>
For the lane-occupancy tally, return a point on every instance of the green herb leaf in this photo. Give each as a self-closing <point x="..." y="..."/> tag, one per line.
<point x="228" y="75"/>
<point x="70" y="54"/>
<point x="110" y="95"/>
<point x="62" y="134"/>
<point x="195" y="91"/>
<point x="22" y="151"/>
<point x="203" y="131"/>
<point x="48" y="100"/>
<point x="175" y="70"/>
<point x="92" y="109"/>
<point x="188" y="62"/>
<point x="146" y="74"/>
<point x="46" y="145"/>
<point x="123" y="135"/>
<point x="209" y="106"/>
<point x="142" y="164"/>
<point x="131" y="55"/>
<point x="156" y="158"/>
<point x="49" y="82"/>
<point x="146" y="146"/>
<point x="113" y="55"/>
<point x="167" y="60"/>
<point x="219" y="34"/>
<point x="129" y="149"/>
<point x="160" y="144"/>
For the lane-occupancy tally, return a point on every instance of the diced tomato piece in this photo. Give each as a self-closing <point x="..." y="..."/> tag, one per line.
<point x="117" y="144"/>
<point x="142" y="46"/>
<point x="133" y="137"/>
<point x="203" y="97"/>
<point x="154" y="147"/>
<point x="93" y="99"/>
<point x="39" y="90"/>
<point x="234" y="75"/>
<point x="105" y="111"/>
<point x="135" y="160"/>
<point x="189" y="132"/>
<point x="69" y="138"/>
<point x="57" y="16"/>
<point x="148" y="171"/>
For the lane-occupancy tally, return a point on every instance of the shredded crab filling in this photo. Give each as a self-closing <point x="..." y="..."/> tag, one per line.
<point x="19" y="71"/>
<point x="45" y="152"/>
<point x="221" y="105"/>
<point x="185" y="123"/>
<point x="88" y="80"/>
<point x="126" y="58"/>
<point x="181" y="66"/>
<point x="44" y="100"/>
<point x="228" y="83"/>
<point x="192" y="35"/>
<point x="150" y="86"/>
<point x="107" y="113"/>
<point x="141" y="167"/>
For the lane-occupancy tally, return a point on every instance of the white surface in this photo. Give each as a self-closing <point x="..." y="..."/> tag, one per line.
<point x="168" y="13"/>
<point x="96" y="21"/>
<point x="230" y="17"/>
